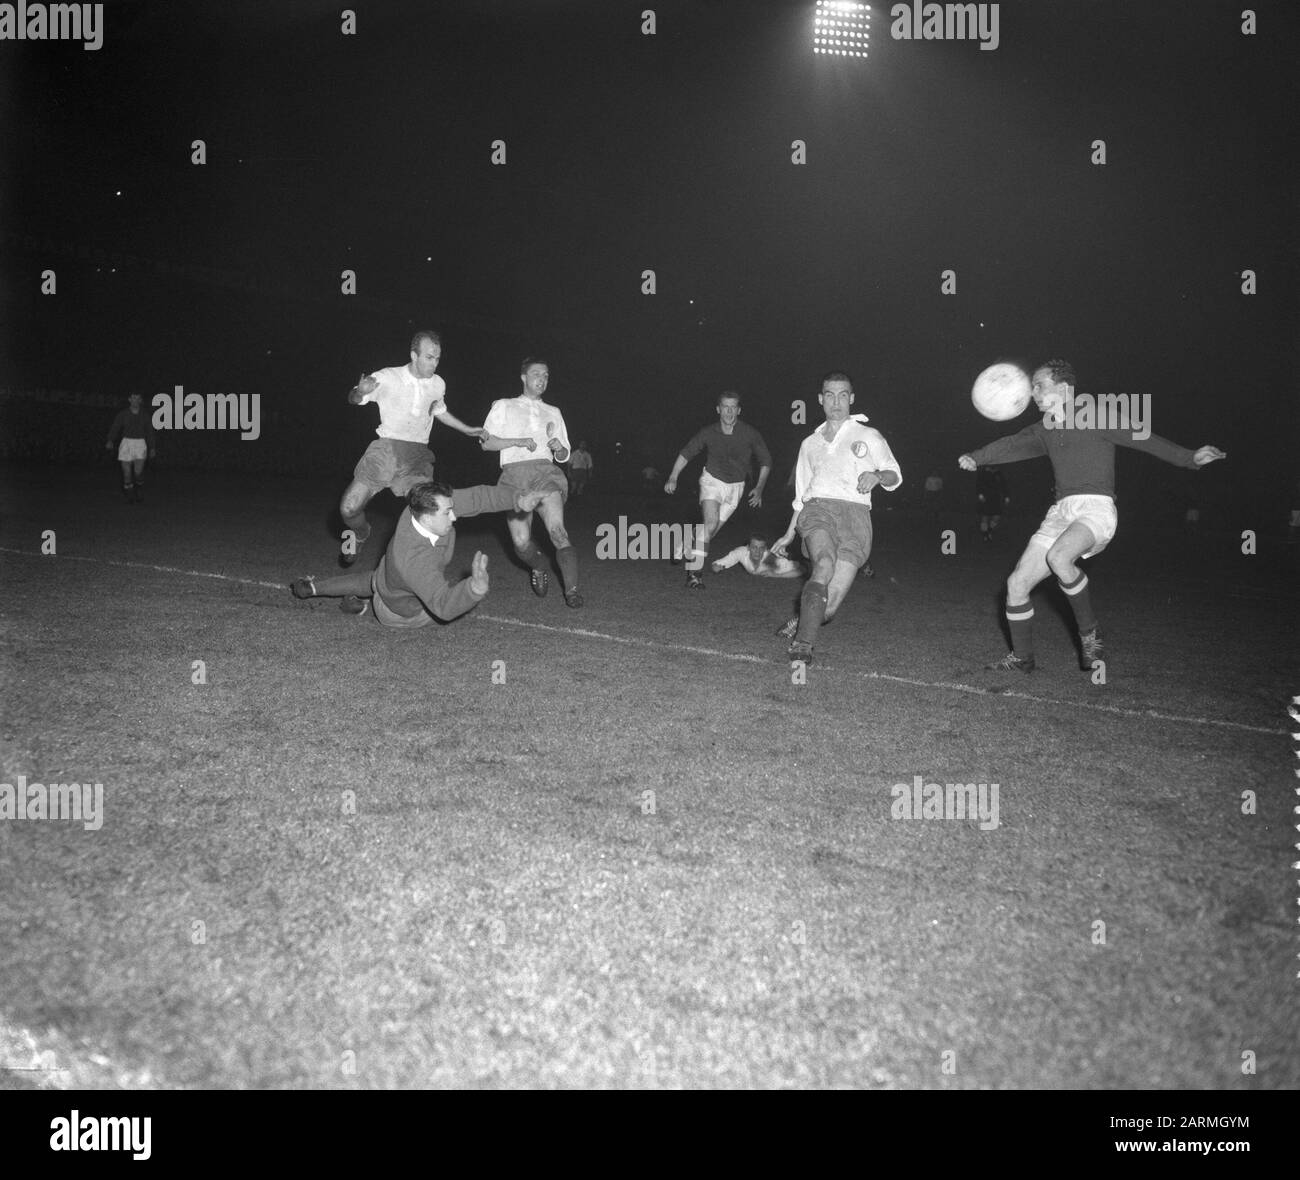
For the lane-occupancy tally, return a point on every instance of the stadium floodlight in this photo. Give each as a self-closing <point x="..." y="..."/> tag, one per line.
<point x="842" y="28"/>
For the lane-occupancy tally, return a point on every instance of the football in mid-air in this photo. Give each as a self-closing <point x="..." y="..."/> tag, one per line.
<point x="1001" y="392"/>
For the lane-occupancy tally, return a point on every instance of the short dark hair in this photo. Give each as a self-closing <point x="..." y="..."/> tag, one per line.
<point x="422" y="336"/>
<point x="423" y="498"/>
<point x="762" y="540"/>
<point x="837" y="375"/>
<point x="729" y="393"/>
<point x="1060" y="371"/>
<point x="529" y="362"/>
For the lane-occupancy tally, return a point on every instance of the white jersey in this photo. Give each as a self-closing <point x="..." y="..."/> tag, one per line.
<point x="407" y="403"/>
<point x="830" y="470"/>
<point x="528" y="417"/>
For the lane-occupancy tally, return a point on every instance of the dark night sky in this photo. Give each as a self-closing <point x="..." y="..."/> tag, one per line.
<point x="670" y="152"/>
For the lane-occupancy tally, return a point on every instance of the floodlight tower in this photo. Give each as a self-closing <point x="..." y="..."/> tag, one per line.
<point x="841" y="28"/>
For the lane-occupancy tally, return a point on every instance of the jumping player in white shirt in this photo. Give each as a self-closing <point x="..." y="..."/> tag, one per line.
<point x="409" y="398"/>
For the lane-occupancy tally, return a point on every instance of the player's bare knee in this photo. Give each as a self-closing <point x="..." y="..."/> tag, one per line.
<point x="559" y="538"/>
<point x="1062" y="566"/>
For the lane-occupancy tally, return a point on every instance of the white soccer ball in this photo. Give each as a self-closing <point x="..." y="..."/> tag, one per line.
<point x="1001" y="392"/>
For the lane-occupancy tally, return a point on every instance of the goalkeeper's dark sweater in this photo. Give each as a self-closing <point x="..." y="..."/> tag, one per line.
<point x="1083" y="461"/>
<point x="412" y="574"/>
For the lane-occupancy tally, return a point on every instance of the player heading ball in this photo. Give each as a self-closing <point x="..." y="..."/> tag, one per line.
<point x="1082" y="521"/>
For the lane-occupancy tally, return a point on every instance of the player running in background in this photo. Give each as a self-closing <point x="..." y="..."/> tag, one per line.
<point x="839" y="464"/>
<point x="409" y="398"/>
<point x="728" y="446"/>
<point x="580" y="466"/>
<point x="990" y="498"/>
<point x="512" y="425"/>
<point x="409" y="588"/>
<point x="138" y="439"/>
<point x="1082" y="521"/>
<point x="758" y="559"/>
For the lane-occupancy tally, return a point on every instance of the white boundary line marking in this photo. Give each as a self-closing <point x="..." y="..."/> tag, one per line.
<point x="736" y="657"/>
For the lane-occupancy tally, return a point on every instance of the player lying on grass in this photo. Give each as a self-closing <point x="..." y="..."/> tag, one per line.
<point x="838" y="465"/>
<point x="138" y="440"/>
<point x="757" y="559"/>
<point x="729" y="447"/>
<point x="1082" y="521"/>
<point x="409" y="398"/>
<point x="516" y="427"/>
<point x="409" y="588"/>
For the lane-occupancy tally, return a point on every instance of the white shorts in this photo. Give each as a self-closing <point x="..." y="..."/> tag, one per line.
<point x="1097" y="512"/>
<point x="726" y="494"/>
<point x="130" y="450"/>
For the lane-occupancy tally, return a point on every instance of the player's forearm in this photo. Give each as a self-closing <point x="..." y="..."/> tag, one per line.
<point x="493" y="443"/>
<point x="448" y="602"/>
<point x="889" y="479"/>
<point x="450" y="419"/>
<point x="677" y="467"/>
<point x="763" y="473"/>
<point x="1010" y="449"/>
<point x="1161" y="448"/>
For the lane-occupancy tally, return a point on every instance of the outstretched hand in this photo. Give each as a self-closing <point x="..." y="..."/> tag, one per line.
<point x="756" y="498"/>
<point x="1208" y="454"/>
<point x="478" y="574"/>
<point x="966" y="463"/>
<point x="779" y="549"/>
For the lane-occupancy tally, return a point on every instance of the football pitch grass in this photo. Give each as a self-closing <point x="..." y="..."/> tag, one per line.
<point x="356" y="858"/>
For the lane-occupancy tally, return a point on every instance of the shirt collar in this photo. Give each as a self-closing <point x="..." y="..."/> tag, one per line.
<point x="419" y="528"/>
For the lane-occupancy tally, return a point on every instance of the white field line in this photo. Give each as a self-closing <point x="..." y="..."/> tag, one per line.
<point x="738" y="657"/>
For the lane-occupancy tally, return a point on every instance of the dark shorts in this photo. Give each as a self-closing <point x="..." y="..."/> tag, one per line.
<point x="396" y="465"/>
<point x="534" y="475"/>
<point x="845" y="524"/>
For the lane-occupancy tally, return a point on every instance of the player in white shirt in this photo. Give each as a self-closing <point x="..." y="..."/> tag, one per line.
<point x="409" y="398"/>
<point x="838" y="465"/>
<point x="757" y="559"/>
<point x="519" y="427"/>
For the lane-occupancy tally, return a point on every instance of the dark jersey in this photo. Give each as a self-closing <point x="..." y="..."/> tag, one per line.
<point x="1083" y="461"/>
<point x="728" y="455"/>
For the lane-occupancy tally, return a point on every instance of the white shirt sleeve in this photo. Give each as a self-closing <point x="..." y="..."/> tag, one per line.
<point x="883" y="457"/>
<point x="802" y="476"/>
